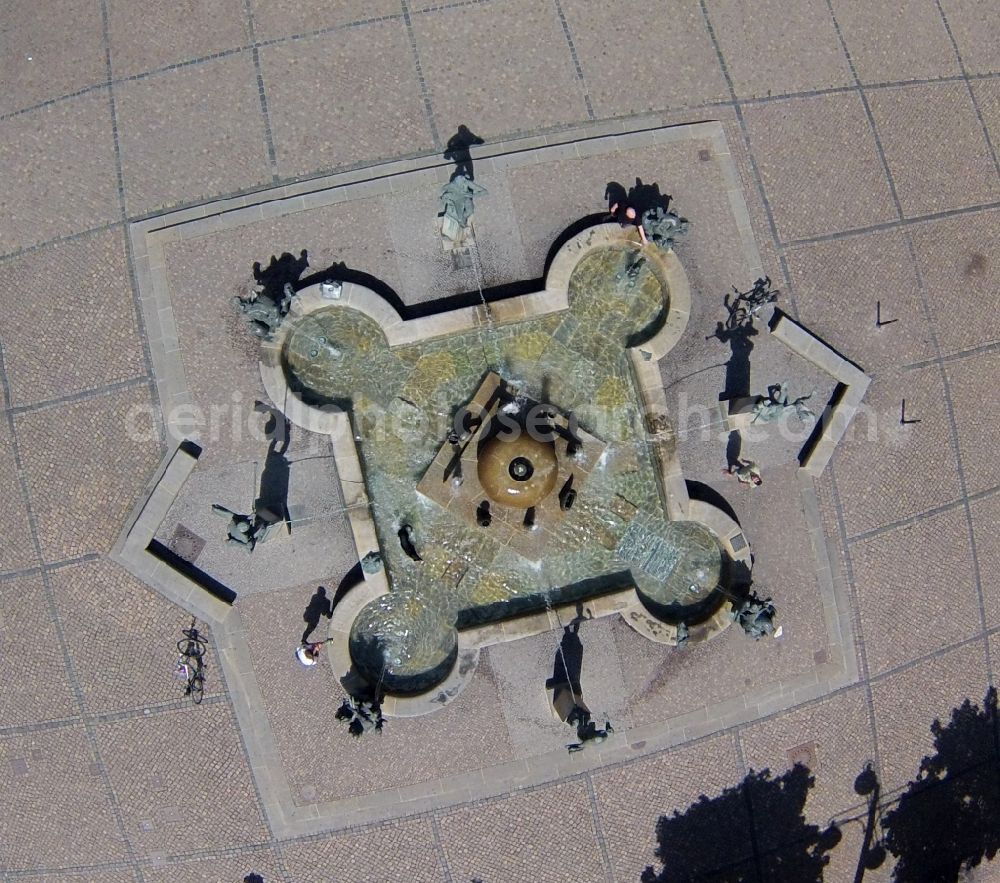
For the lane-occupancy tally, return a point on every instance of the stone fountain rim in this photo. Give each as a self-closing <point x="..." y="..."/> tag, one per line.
<point x="335" y="423"/>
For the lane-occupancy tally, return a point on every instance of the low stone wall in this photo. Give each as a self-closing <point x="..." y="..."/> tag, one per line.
<point x="135" y="549"/>
<point x="852" y="385"/>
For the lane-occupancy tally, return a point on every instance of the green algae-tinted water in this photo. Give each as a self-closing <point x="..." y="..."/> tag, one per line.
<point x="402" y="403"/>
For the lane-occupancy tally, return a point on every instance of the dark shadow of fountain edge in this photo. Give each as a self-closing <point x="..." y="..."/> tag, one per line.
<point x="193" y="573"/>
<point x="638" y="338"/>
<point x="690" y="614"/>
<point x="427" y="308"/>
<point x="583" y="590"/>
<point x="341" y="273"/>
<point x="491" y="294"/>
<point x="367" y="652"/>
<point x="574" y="229"/>
<point x="704" y="493"/>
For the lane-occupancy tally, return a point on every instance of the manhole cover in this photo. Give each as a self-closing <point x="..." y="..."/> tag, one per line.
<point x="186" y="544"/>
<point x="804" y="754"/>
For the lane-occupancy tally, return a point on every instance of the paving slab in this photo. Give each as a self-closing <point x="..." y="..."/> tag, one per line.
<point x="937" y="123"/>
<point x="800" y="44"/>
<point x="59" y="164"/>
<point x="806" y="149"/>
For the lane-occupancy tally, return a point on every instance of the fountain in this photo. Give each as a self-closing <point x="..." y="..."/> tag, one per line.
<point x="523" y="445"/>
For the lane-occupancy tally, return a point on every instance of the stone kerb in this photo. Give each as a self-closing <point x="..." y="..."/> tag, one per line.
<point x="665" y="264"/>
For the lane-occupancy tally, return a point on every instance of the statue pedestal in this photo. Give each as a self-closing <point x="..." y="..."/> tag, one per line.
<point x="562" y="701"/>
<point x="451" y="232"/>
<point x="737" y="413"/>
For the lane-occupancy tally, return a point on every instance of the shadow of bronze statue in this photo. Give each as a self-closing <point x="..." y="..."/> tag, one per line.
<point x="457" y="151"/>
<point x="645" y="197"/>
<point x="945" y="823"/>
<point x="272" y="498"/>
<point x="567" y="693"/>
<point x="568" y="663"/>
<point x="774" y="841"/>
<point x="281" y="271"/>
<point x="277" y="427"/>
<point x="739" y="339"/>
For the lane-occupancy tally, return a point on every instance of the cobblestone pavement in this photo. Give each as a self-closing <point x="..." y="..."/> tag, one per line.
<point x="865" y="136"/>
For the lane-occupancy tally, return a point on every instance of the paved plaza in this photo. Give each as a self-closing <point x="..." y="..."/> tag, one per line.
<point x="153" y="154"/>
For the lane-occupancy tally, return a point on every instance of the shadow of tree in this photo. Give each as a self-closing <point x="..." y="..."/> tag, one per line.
<point x="754" y="832"/>
<point x="948" y="819"/>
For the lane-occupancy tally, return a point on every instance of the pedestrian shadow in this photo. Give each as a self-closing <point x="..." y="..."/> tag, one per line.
<point x="615" y="194"/>
<point x="319" y="606"/>
<point x="734" y="447"/>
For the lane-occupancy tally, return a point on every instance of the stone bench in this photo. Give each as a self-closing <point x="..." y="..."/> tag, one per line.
<point x="852" y="383"/>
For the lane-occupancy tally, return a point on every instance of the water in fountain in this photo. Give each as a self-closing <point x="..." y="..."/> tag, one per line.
<point x="578" y="357"/>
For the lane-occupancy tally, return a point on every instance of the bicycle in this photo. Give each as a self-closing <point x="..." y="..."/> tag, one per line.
<point x="191" y="663"/>
<point x="747" y="305"/>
